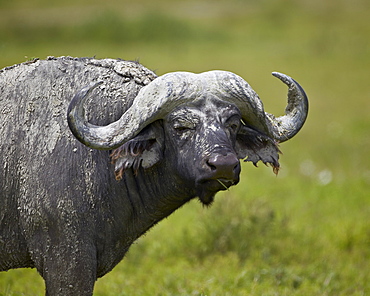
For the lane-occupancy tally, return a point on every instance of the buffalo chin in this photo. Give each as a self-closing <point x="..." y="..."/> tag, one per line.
<point x="207" y="190"/>
<point x="206" y="197"/>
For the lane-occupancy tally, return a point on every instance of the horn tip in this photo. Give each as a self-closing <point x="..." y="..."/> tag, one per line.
<point x="284" y="78"/>
<point x="289" y="81"/>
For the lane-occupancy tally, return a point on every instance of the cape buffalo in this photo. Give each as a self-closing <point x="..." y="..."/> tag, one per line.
<point x="147" y="145"/>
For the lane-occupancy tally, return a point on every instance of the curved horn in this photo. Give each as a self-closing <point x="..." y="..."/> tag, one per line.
<point x="236" y="90"/>
<point x="287" y="126"/>
<point x="76" y="118"/>
<point x="171" y="90"/>
<point x="153" y="102"/>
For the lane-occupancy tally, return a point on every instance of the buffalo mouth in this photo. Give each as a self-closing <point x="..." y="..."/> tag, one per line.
<point x="207" y="189"/>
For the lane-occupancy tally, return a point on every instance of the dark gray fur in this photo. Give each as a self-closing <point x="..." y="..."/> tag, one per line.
<point x="61" y="209"/>
<point x="54" y="191"/>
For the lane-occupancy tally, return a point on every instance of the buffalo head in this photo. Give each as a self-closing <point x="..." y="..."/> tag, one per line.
<point x="200" y="124"/>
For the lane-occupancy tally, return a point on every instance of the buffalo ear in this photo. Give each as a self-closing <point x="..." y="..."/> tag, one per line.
<point x="255" y="146"/>
<point x="145" y="150"/>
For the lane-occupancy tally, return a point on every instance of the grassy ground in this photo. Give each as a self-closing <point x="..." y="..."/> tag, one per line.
<point x="305" y="232"/>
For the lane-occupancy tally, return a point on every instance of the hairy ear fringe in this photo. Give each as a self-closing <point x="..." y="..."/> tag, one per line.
<point x="275" y="165"/>
<point x="255" y="146"/>
<point x="125" y="163"/>
<point x="118" y="174"/>
<point x="131" y="148"/>
<point x="266" y="150"/>
<point x="129" y="156"/>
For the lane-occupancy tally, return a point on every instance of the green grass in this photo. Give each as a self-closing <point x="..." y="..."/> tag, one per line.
<point x="304" y="232"/>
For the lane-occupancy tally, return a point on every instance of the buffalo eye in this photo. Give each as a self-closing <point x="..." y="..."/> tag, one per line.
<point x="233" y="123"/>
<point x="183" y="126"/>
<point x="182" y="129"/>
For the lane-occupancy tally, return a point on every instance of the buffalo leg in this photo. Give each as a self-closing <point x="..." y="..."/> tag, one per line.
<point x="68" y="269"/>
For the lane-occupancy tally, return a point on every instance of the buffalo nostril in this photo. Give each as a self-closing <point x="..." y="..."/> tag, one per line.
<point x="213" y="167"/>
<point x="223" y="165"/>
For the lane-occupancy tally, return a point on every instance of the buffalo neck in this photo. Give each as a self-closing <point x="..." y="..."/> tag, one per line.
<point x="153" y="194"/>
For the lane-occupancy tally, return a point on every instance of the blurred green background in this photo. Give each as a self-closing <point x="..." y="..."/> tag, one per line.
<point x="304" y="232"/>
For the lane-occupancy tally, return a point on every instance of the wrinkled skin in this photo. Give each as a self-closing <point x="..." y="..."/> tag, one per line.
<point x="203" y="137"/>
<point x="61" y="209"/>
